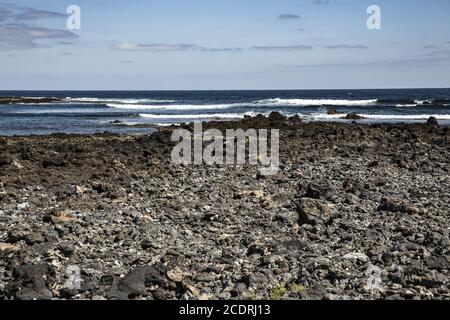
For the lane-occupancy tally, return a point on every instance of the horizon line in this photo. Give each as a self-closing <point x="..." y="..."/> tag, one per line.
<point x="206" y="90"/>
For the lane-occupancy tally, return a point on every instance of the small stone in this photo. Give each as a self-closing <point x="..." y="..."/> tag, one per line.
<point x="66" y="249"/>
<point x="312" y="191"/>
<point x="17" y="164"/>
<point x="205" y="297"/>
<point x="147" y="244"/>
<point x="23" y="206"/>
<point x="315" y="292"/>
<point x="80" y="190"/>
<point x="433" y="279"/>
<point x="395" y="297"/>
<point x="34" y="238"/>
<point x="356" y="256"/>
<point x="258" y="194"/>
<point x="224" y="296"/>
<point x="5" y="160"/>
<point x="176" y="275"/>
<point x="8" y="247"/>
<point x="294" y="244"/>
<point x="192" y="289"/>
<point x="314" y="211"/>
<point x="117" y="195"/>
<point x="205" y="277"/>
<point x="3" y="194"/>
<point x="63" y="218"/>
<point x="255" y="249"/>
<point x="255" y="279"/>
<point x="239" y="289"/>
<point x="161" y="294"/>
<point x="397" y="205"/>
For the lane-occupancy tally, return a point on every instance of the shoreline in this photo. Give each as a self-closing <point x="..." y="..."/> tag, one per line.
<point x="232" y="124"/>
<point x="347" y="198"/>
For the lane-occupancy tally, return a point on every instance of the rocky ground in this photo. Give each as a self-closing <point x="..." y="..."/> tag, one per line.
<point x="355" y="212"/>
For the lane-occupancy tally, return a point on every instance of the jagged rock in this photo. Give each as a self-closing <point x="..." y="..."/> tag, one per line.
<point x="332" y="111"/>
<point x="28" y="236"/>
<point x="353" y="116"/>
<point x="136" y="281"/>
<point x="5" y="160"/>
<point x="8" y="247"/>
<point x="60" y="217"/>
<point x="276" y="116"/>
<point x="356" y="256"/>
<point x="432" y="121"/>
<point x="432" y="279"/>
<point x="176" y="275"/>
<point x="256" y="279"/>
<point x="32" y="281"/>
<point x="314" y="211"/>
<point x="23" y="206"/>
<point x="396" y="205"/>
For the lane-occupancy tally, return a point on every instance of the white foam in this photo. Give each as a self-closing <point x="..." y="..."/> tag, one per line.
<point x="56" y="111"/>
<point x="406" y="117"/>
<point x="198" y="116"/>
<point x="423" y="101"/>
<point x="137" y="124"/>
<point x="166" y="124"/>
<point x="316" y="102"/>
<point x="171" y="107"/>
<point x="405" y="105"/>
<point x="117" y="100"/>
<point x="277" y="102"/>
<point x="265" y="102"/>
<point x="383" y="116"/>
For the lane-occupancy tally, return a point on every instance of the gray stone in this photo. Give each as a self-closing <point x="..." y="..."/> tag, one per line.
<point x="314" y="211"/>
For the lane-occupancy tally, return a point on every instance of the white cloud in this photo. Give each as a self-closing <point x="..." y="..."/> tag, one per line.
<point x="22" y="36"/>
<point x="126" y="46"/>
<point x="295" y="47"/>
<point x="17" y="35"/>
<point x="164" y="47"/>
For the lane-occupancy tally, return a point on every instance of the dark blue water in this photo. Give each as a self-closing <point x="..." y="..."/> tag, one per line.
<point x="138" y="111"/>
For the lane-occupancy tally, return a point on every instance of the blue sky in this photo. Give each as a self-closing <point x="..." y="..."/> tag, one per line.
<point x="233" y="44"/>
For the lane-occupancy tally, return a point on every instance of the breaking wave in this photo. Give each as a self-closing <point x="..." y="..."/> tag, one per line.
<point x="198" y="116"/>
<point x="316" y="102"/>
<point x="118" y="101"/>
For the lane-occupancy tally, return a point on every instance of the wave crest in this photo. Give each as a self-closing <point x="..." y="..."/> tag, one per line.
<point x="198" y="116"/>
<point x="317" y="102"/>
<point x="116" y="100"/>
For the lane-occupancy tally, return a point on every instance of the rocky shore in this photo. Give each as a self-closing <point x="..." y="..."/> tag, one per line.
<point x="355" y="212"/>
<point x="28" y="100"/>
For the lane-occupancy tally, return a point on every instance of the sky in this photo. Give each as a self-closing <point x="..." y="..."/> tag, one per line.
<point x="217" y="44"/>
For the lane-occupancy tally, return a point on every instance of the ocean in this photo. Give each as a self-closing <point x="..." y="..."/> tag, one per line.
<point x="137" y="111"/>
